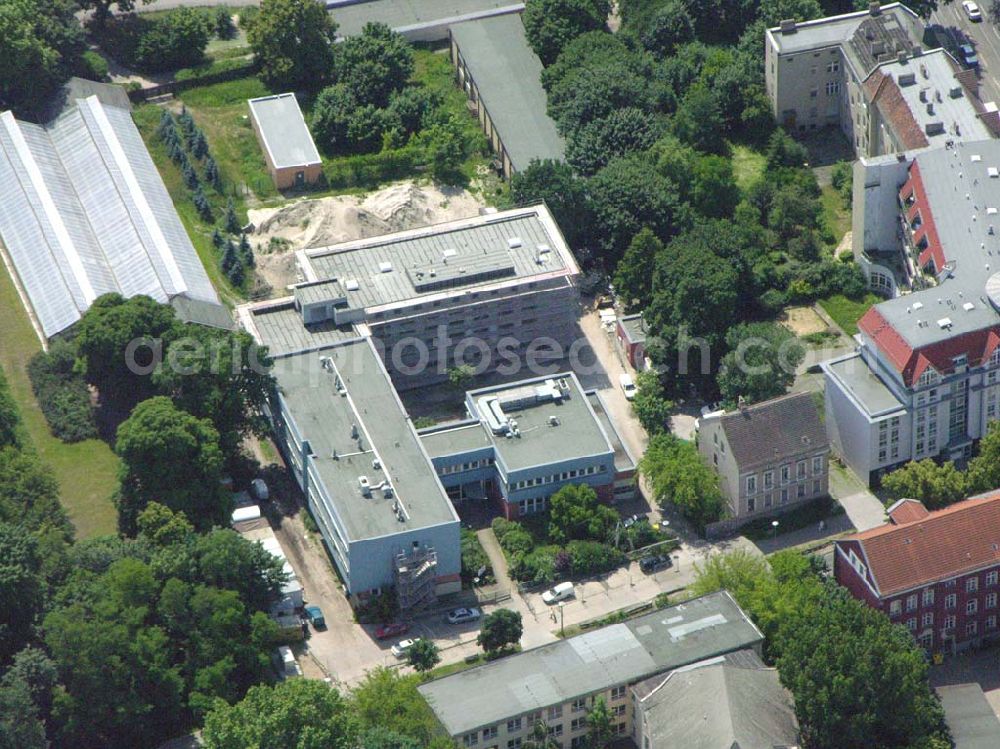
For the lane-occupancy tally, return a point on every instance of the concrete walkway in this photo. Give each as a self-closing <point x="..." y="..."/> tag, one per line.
<point x="862" y="507"/>
<point x="488" y="540"/>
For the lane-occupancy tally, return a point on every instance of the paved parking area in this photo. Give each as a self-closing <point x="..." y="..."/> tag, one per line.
<point x="981" y="667"/>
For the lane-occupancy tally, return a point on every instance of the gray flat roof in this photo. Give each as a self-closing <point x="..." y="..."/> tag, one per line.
<point x="527" y="238"/>
<point x="970" y="718"/>
<point x="933" y="76"/>
<point x="507" y="73"/>
<point x="284" y="131"/>
<point x="964" y="201"/>
<point x="403" y="15"/>
<point x="578" y="431"/>
<point x="598" y="660"/>
<point x="866" y="389"/>
<point x="441" y="442"/>
<point x="895" y="25"/>
<point x="373" y="411"/>
<point x="634" y="327"/>
<point x="623" y="458"/>
<point x="279" y="326"/>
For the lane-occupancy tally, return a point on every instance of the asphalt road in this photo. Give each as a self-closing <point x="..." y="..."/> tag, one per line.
<point x="984" y="36"/>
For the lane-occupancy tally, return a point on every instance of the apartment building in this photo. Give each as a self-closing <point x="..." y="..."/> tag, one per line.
<point x="923" y="380"/>
<point x="484" y="291"/>
<point x="869" y="74"/>
<point x="936" y="573"/>
<point x="525" y="441"/>
<point x="498" y="704"/>
<point x="771" y="456"/>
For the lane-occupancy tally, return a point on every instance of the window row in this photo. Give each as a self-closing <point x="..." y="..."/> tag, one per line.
<point x="564" y="476"/>
<point x="784" y="474"/>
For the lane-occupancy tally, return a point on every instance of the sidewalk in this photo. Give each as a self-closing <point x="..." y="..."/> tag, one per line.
<point x="863" y="508"/>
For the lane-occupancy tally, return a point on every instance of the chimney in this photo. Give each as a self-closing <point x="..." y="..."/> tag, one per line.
<point x="787" y="26"/>
<point x="875" y="9"/>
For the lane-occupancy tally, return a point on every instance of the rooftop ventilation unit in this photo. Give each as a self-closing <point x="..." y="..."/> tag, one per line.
<point x="944" y="323"/>
<point x="923" y="94"/>
<point x="955" y="92"/>
<point x="993" y="172"/>
<point x="351" y="284"/>
<point x="933" y="128"/>
<point x="975" y="158"/>
<point x="968" y="306"/>
<point x="514" y="242"/>
<point x="918" y="305"/>
<point x="385" y="266"/>
<point x="366" y="487"/>
<point x="907" y="79"/>
<point x="923" y="71"/>
<point x="450" y="252"/>
<point x="787" y="26"/>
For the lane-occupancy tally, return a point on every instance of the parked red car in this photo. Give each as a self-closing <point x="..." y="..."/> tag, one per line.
<point x="391" y="630"/>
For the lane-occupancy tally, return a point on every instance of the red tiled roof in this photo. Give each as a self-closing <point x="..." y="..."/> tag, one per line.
<point x="885" y="96"/>
<point x="942" y="545"/>
<point x="928" y="229"/>
<point x="886" y="338"/>
<point x="907" y="511"/>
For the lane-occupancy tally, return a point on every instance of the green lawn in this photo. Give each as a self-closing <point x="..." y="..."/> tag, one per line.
<point x="836" y="215"/>
<point x="86" y="471"/>
<point x="748" y="166"/>
<point x="846" y="312"/>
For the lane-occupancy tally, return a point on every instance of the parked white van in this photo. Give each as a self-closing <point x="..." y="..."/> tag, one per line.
<point x="559" y="593"/>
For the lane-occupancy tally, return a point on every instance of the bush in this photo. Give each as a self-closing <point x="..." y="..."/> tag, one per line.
<point x="93" y="67"/>
<point x="62" y="394"/>
<point x="174" y="40"/>
<point x="592" y="557"/>
<point x="473" y="557"/>
<point x="537" y="566"/>
<point x="379" y="609"/>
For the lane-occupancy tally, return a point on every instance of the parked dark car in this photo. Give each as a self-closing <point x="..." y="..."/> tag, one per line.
<point x="652" y="564"/>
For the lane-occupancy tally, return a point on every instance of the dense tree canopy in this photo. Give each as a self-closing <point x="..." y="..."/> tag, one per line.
<point x="20" y="588"/>
<point x="42" y="45"/>
<point x="171" y="457"/>
<point x="936" y="485"/>
<point x="423" y="655"/>
<point x="299" y="713"/>
<point x="562" y="191"/>
<point x="374" y="64"/>
<point x="551" y="24"/>
<point x="680" y="476"/>
<point x="619" y="133"/>
<point x="500" y="630"/>
<point x="761" y="362"/>
<point x="10" y="419"/>
<point x="292" y="41"/>
<point x="576" y="513"/>
<point x="650" y="405"/>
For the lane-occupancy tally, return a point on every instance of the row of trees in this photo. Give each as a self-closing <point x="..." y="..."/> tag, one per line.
<point x="857" y="679"/>
<point x="938" y="485"/>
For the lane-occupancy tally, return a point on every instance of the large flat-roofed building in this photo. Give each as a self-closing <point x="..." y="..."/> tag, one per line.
<point x="417" y="20"/>
<point x="501" y="74"/>
<point x="83" y="212"/>
<point x="923" y="382"/>
<point x="289" y="150"/>
<point x="475" y="291"/>
<point x="523" y="442"/>
<point x="499" y="703"/>
<point x="869" y="74"/>
<point x="365" y="474"/>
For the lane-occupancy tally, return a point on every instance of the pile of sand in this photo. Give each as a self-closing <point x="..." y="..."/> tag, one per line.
<point x="321" y="222"/>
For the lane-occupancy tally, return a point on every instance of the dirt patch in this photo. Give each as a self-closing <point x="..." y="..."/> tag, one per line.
<point x="845" y="245"/>
<point x="802" y="321"/>
<point x="324" y="221"/>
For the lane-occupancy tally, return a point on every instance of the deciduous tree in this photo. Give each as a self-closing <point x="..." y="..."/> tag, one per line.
<point x="500" y="630"/>
<point x="374" y="64"/>
<point x="292" y="41"/>
<point x="926" y="481"/>
<point x="423" y="655"/>
<point x="576" y="513"/>
<point x="679" y="476"/>
<point x="565" y="194"/>
<point x="650" y="404"/>
<point x="761" y="362"/>
<point x="600" y="725"/>
<point x="551" y="24"/>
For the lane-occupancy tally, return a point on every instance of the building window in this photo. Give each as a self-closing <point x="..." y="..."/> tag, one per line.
<point x="972" y="585"/>
<point x="991" y="621"/>
<point x="800" y="491"/>
<point x="817" y="486"/>
<point x="556" y="730"/>
<point x="471" y="739"/>
<point x="768" y="479"/>
<point x="489" y="733"/>
<point x="971" y="627"/>
<point x="818" y="464"/>
<point x="555" y="712"/>
<point x="991" y="600"/>
<point x="768" y="499"/>
<point x="911" y="624"/>
<point x="618" y="711"/>
<point x="833" y="88"/>
<point x="513" y="725"/>
<point x="929" y="619"/>
<point x="814" y="93"/>
<point x="950" y="601"/>
<point x="579" y="705"/>
<point x="929" y="597"/>
<point x="751" y="504"/>
<point x="971" y="606"/>
<point x="949" y="621"/>
<point x="515" y="743"/>
<point x="800" y="470"/>
<point x="786" y="473"/>
<point x="618" y="692"/>
<point x="911" y="602"/>
<point x="751" y="484"/>
<point x="784" y="496"/>
<point x="895" y="608"/>
<point x="578" y="724"/>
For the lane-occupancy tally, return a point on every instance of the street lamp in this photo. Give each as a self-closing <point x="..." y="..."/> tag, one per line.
<point x="562" y="629"/>
<point x="677" y="563"/>
<point x="774" y="529"/>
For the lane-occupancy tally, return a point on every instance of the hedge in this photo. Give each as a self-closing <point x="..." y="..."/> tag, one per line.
<point x="62" y="393"/>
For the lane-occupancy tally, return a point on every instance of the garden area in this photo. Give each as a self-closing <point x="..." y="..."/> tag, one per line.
<point x="576" y="537"/>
